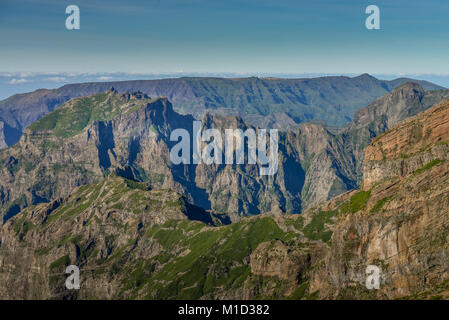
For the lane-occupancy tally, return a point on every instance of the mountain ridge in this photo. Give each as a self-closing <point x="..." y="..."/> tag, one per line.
<point x="298" y="100"/>
<point x="96" y="134"/>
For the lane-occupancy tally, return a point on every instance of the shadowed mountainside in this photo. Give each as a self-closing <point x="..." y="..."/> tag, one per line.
<point x="89" y="137"/>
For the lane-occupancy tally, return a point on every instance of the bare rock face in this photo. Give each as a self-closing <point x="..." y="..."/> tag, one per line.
<point x="275" y="259"/>
<point x="52" y="159"/>
<point x="409" y="146"/>
<point x="2" y="136"/>
<point x="272" y="259"/>
<point x="87" y="138"/>
<point x="382" y="115"/>
<point x="398" y="222"/>
<point x="407" y="239"/>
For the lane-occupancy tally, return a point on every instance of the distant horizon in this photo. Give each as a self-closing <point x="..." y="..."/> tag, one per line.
<point x="22" y="82"/>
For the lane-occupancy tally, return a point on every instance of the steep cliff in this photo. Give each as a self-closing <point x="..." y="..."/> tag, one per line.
<point x="77" y="144"/>
<point x="89" y="137"/>
<point x="383" y="114"/>
<point x="3" y="143"/>
<point x="399" y="220"/>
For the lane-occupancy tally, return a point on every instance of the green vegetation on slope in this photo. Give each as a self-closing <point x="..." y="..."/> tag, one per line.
<point x="429" y="165"/>
<point x="75" y="115"/>
<point x="380" y="204"/>
<point x="174" y="258"/>
<point x="215" y="258"/>
<point x="316" y="229"/>
<point x="357" y="202"/>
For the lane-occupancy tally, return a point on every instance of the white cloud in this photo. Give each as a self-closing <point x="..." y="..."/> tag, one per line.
<point x="18" y="81"/>
<point x="56" y="79"/>
<point x="7" y="74"/>
<point x="104" y="78"/>
<point x="26" y="74"/>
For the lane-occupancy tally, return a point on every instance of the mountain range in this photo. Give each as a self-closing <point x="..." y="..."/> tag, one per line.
<point x="135" y="240"/>
<point x="265" y="102"/>
<point x="91" y="183"/>
<point x="89" y="137"/>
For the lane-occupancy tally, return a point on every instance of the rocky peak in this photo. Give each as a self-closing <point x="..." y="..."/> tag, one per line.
<point x="211" y="120"/>
<point x="392" y="106"/>
<point x="366" y="76"/>
<point x="407" y="88"/>
<point x="315" y="136"/>
<point x="137" y="95"/>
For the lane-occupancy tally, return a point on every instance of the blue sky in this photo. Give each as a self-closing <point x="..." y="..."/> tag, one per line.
<point x="252" y="36"/>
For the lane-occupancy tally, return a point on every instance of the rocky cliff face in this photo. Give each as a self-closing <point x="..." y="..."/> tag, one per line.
<point x="338" y="167"/>
<point x="89" y="137"/>
<point x="2" y="136"/>
<point x="76" y="145"/>
<point x="383" y="114"/>
<point x="412" y="144"/>
<point x="86" y="139"/>
<point x="399" y="220"/>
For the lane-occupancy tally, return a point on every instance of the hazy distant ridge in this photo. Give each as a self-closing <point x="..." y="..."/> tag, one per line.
<point x="262" y="101"/>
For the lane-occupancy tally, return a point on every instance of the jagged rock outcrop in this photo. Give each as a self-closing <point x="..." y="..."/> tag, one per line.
<point x="334" y="161"/>
<point x="383" y="114"/>
<point x="408" y="147"/>
<point x="276" y="259"/>
<point x="79" y="144"/>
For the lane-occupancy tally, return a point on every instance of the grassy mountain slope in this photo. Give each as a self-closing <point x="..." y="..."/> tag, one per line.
<point x="131" y="242"/>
